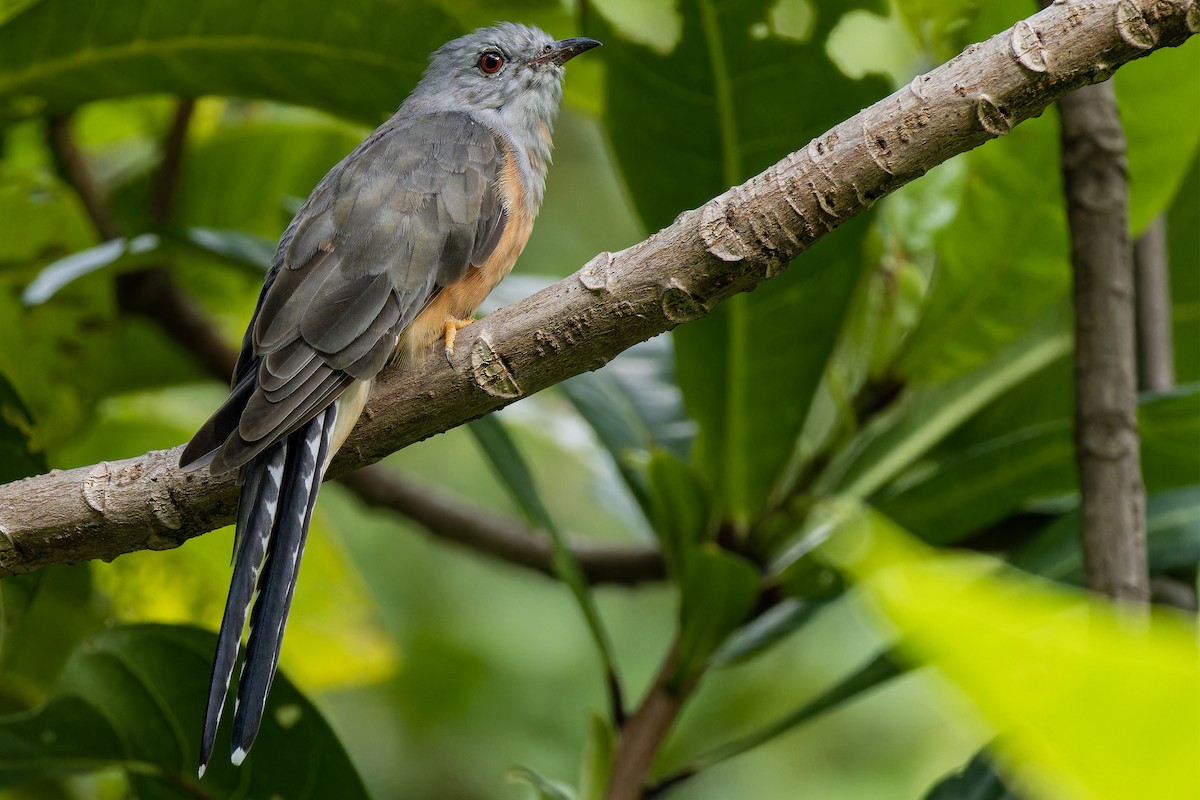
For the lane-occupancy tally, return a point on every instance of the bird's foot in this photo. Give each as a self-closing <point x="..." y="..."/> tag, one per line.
<point x="453" y="326"/>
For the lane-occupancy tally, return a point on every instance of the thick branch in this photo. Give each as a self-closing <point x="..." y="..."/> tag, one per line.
<point x="1112" y="497"/>
<point x="730" y="245"/>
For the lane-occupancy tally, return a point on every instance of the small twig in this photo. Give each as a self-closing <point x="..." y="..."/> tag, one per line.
<point x="486" y="531"/>
<point x="644" y="732"/>
<point x="1156" y="347"/>
<point x="73" y="165"/>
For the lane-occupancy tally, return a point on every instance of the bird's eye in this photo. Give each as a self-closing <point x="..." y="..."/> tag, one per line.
<point x="547" y="48"/>
<point x="491" y="62"/>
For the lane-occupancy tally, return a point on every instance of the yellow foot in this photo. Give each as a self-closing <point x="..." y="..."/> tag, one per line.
<point x="453" y="326"/>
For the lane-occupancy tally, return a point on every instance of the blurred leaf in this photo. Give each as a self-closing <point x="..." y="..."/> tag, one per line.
<point x="357" y="58"/>
<point x="1088" y="703"/>
<point x="976" y="781"/>
<point x="61" y="272"/>
<point x="765" y="631"/>
<point x="132" y="697"/>
<point x="680" y="509"/>
<point x="597" y="759"/>
<point x="718" y="592"/>
<point x="963" y="492"/>
<point x="1001" y="263"/>
<point x="335" y="636"/>
<point x="724" y="123"/>
<point x="18" y="458"/>
<point x="939" y="25"/>
<point x="1172" y="539"/>
<point x="909" y="427"/>
<point x="45" y="615"/>
<point x="236" y="247"/>
<point x="510" y="468"/>
<point x="609" y="412"/>
<point x="879" y="670"/>
<point x="544" y="788"/>
<point x="1183" y="245"/>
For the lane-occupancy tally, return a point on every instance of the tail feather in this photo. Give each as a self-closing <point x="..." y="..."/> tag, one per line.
<point x="307" y="451"/>
<point x="256" y="512"/>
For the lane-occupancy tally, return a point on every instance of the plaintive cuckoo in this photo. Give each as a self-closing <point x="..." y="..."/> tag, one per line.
<point x="396" y="246"/>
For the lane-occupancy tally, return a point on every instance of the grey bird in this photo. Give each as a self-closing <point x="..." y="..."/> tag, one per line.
<point x="397" y="245"/>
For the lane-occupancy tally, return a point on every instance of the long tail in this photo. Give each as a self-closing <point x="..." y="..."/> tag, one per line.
<point x="275" y="508"/>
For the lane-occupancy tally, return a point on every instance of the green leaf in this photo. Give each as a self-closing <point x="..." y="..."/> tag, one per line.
<point x="879" y="670"/>
<point x="544" y="788"/>
<point x="961" y="492"/>
<point x="938" y="25"/>
<point x="45" y="615"/>
<point x="724" y="123"/>
<point x="925" y="415"/>
<point x="133" y="697"/>
<point x="236" y="247"/>
<point x="1155" y="97"/>
<point x="718" y="592"/>
<point x="512" y="471"/>
<point x="356" y="58"/>
<point x="59" y="273"/>
<point x="680" y="511"/>
<point x="766" y="630"/>
<point x="1172" y="539"/>
<point x="976" y="781"/>
<point x="1001" y="263"/>
<point x="597" y="759"/>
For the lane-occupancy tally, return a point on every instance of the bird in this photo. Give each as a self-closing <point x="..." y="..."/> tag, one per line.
<point x="396" y="247"/>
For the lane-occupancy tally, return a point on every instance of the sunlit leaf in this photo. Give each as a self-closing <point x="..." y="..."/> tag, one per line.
<point x="1087" y="702"/>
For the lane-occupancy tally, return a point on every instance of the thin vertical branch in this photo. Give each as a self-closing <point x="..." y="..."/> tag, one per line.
<point x="1106" y="438"/>
<point x="1156" y="347"/>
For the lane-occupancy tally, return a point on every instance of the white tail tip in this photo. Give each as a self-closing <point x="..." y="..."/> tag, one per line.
<point x="238" y="757"/>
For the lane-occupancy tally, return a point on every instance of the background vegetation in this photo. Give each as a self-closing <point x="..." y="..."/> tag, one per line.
<point x="916" y="361"/>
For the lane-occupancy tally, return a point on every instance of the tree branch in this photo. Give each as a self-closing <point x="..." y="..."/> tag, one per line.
<point x="730" y="245"/>
<point x="1156" y="348"/>
<point x="1112" y="497"/>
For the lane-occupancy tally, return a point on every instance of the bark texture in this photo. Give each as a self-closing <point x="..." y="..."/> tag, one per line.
<point x="731" y="244"/>
<point x="1113" y="500"/>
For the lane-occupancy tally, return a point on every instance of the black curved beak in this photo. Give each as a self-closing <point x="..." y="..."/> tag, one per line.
<point x="564" y="50"/>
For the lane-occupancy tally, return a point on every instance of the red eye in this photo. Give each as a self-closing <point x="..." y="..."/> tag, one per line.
<point x="491" y="62"/>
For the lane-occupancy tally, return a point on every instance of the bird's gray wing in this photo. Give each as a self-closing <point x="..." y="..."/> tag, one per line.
<point x="408" y="212"/>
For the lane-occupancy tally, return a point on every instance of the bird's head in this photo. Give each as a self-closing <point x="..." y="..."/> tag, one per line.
<point x="510" y="69"/>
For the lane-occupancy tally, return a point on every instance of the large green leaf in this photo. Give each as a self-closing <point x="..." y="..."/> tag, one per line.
<point x="356" y="58"/>
<point x="133" y="697"/>
<point x="1002" y="261"/>
<point x="962" y="492"/>
<point x="723" y="123"/>
<point x="716" y="595"/>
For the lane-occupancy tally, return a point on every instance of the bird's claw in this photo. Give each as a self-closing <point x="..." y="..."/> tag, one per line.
<point x="453" y="326"/>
